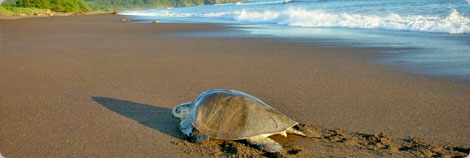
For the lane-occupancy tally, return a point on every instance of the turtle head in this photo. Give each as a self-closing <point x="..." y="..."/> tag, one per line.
<point x="182" y="111"/>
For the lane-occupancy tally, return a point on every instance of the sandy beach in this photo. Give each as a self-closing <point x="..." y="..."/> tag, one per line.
<point x="94" y="86"/>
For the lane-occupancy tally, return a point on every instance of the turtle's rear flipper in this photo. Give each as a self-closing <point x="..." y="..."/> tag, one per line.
<point x="197" y="137"/>
<point x="295" y="131"/>
<point x="265" y="144"/>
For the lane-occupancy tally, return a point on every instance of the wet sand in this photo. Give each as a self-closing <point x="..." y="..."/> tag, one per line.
<point x="94" y="86"/>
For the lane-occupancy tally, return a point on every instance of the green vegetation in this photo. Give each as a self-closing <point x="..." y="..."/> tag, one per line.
<point x="29" y="7"/>
<point x="109" y="5"/>
<point x="54" y="5"/>
<point x="13" y="11"/>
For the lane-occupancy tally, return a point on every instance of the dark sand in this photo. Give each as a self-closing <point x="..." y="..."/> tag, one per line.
<point x="93" y="86"/>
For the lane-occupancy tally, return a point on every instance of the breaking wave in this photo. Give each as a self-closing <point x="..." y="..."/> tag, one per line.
<point x="453" y="23"/>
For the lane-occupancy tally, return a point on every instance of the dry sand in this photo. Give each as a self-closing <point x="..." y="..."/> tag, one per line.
<point x="94" y="86"/>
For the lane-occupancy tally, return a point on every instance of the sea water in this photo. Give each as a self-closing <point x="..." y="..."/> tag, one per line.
<point x="430" y="37"/>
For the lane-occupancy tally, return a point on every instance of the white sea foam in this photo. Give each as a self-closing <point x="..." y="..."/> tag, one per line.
<point x="168" y="13"/>
<point x="263" y="2"/>
<point x="165" y="13"/>
<point x="221" y="4"/>
<point x="453" y="23"/>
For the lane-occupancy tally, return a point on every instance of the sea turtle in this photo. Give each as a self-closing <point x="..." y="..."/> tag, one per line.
<point x="233" y="115"/>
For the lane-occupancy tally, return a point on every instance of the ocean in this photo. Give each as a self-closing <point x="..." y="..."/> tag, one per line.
<point x="428" y="37"/>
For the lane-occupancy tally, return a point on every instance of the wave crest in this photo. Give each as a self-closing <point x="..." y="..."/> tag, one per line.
<point x="453" y="23"/>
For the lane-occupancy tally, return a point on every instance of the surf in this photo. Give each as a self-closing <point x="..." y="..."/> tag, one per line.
<point x="453" y="23"/>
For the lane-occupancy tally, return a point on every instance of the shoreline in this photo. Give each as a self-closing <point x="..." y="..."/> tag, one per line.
<point x="384" y="56"/>
<point x="53" y="69"/>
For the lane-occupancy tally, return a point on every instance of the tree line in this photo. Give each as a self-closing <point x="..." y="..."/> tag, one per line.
<point x="105" y="5"/>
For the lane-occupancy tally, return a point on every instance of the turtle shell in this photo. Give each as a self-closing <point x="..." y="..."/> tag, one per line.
<point x="229" y="114"/>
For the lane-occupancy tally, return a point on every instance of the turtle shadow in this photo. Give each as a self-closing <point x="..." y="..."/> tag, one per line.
<point x="155" y="117"/>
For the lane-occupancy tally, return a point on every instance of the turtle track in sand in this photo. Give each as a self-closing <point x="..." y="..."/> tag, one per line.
<point x="322" y="142"/>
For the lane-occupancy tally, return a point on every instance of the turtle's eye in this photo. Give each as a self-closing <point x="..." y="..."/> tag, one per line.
<point x="177" y="110"/>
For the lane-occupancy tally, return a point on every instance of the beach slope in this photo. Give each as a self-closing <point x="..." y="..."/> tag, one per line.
<point x="94" y="86"/>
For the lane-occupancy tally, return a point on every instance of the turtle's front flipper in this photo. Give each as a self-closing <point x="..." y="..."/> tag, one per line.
<point x="197" y="137"/>
<point x="186" y="127"/>
<point x="295" y="131"/>
<point x="265" y="143"/>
